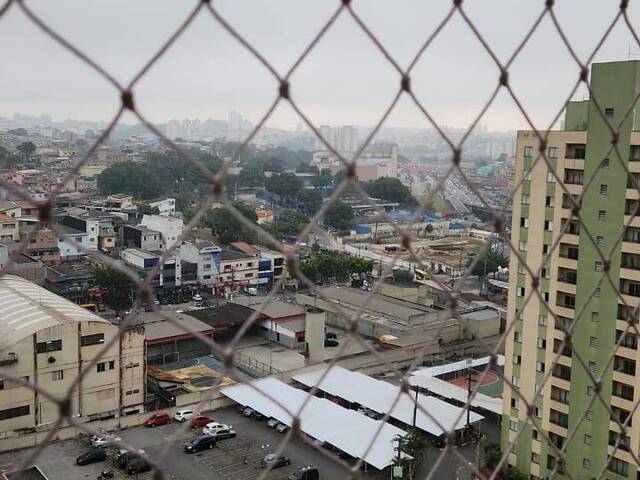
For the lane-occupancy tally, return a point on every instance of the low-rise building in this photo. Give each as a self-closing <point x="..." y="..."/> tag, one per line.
<point x="168" y="276"/>
<point x="170" y="228"/>
<point x="119" y="202"/>
<point x="9" y="229"/>
<point x="139" y="236"/>
<point x="166" y="206"/>
<point x="48" y="341"/>
<point x="237" y="270"/>
<point x="206" y="256"/>
<point x="42" y="243"/>
<point x="72" y="243"/>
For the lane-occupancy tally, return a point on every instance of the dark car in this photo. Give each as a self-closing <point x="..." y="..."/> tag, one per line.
<point x="137" y="466"/>
<point x="330" y="342"/>
<point x="274" y="461"/>
<point x="92" y="456"/>
<point x="305" y="473"/>
<point x="330" y="335"/>
<point x="197" y="444"/>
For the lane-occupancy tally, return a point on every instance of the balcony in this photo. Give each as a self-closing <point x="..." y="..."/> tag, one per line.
<point x="8" y="359"/>
<point x="567" y="275"/>
<point x="575" y="151"/>
<point x="573" y="177"/>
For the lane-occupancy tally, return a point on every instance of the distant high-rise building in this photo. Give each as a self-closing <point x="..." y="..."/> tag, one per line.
<point x="343" y="139"/>
<point x="588" y="313"/>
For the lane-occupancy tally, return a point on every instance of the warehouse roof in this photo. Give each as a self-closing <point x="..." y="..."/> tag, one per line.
<point x="159" y="329"/>
<point x="273" y="309"/>
<point x="26" y="308"/>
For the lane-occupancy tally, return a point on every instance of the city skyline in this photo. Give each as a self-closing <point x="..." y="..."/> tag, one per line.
<point x="207" y="73"/>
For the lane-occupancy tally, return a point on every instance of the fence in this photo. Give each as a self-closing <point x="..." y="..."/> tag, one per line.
<point x="616" y="455"/>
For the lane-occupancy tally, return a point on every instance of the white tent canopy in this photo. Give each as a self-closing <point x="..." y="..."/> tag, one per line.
<point x="347" y="430"/>
<point x="456" y="367"/>
<point x="448" y="390"/>
<point x="382" y="397"/>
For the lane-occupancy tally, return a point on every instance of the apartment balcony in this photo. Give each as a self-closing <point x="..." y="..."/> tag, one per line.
<point x="575" y="151"/>
<point x="634" y="223"/>
<point x="563" y="311"/>
<point x="630" y="274"/>
<point x="559" y="406"/>
<point x="566" y="288"/>
<point x="634" y="165"/>
<point x="560" y="383"/>
<point x="566" y="262"/>
<point x="8" y="359"/>
<point x="631" y="247"/>
<point x="569" y="238"/>
<point x="573" y="188"/>
<point x="632" y="194"/>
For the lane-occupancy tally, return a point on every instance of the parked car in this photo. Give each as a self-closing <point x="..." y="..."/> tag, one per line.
<point x="223" y="434"/>
<point x="137" y="466"/>
<point x="197" y="297"/>
<point x="157" y="419"/>
<point x="184" y="414"/>
<point x="199" y="443"/>
<point x="104" y="439"/>
<point x="247" y="412"/>
<point x="330" y="335"/>
<point x="123" y="456"/>
<point x="274" y="461"/>
<point x="305" y="473"/>
<point x="281" y="428"/>
<point x="92" y="456"/>
<point x="200" y="421"/>
<point x="213" y="427"/>
<point x="272" y="423"/>
<point x="257" y="415"/>
<point x="330" y="342"/>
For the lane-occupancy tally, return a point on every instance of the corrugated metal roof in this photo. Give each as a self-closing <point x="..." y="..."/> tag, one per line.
<point x="26" y="308"/>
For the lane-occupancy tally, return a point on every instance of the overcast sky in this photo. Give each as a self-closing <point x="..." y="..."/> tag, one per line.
<point x="345" y="80"/>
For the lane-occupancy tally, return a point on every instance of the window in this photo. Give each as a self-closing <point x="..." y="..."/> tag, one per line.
<point x="520" y="292"/>
<point x="602" y="215"/>
<point x="14" y="412"/>
<point x="559" y="395"/>
<point x="586" y="464"/>
<point x="528" y="151"/>
<point x="9" y="385"/>
<point x="590" y="391"/>
<point x="599" y="240"/>
<point x="604" y="190"/>
<point x="553" y="152"/>
<point x="593" y="341"/>
<point x="57" y="375"/>
<point x="596" y="292"/>
<point x="514" y="403"/>
<point x="542" y="320"/>
<point x="526" y="175"/>
<point x="618" y="466"/>
<point x="551" y="177"/>
<point x="524" y="222"/>
<point x="101" y="367"/>
<point x="515" y="381"/>
<point x="96" y="339"/>
<point x="542" y="343"/>
<point x="549" y="201"/>
<point x="540" y="367"/>
<point x="588" y="439"/>
<point x="629" y="340"/>
<point x="592" y="367"/>
<point x="598" y="266"/>
<point x="513" y="425"/>
<point x="548" y="225"/>
<point x="609" y="112"/>
<point x="49" y="346"/>
<point x="112" y="364"/>
<point x="588" y="415"/>
<point x="622" y="390"/>
<point x="535" y="458"/>
<point x="521" y="268"/>
<point x="559" y="418"/>
<point x="525" y="199"/>
<point x="517" y="359"/>
<point x="534" y="434"/>
<point x="523" y="246"/>
<point x="517" y="337"/>
<point x="545" y="248"/>
<point x="604" y="163"/>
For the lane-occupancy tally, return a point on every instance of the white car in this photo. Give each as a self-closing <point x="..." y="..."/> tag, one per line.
<point x="281" y="428"/>
<point x="183" y="415"/>
<point x="213" y="428"/>
<point x="197" y="297"/>
<point x="104" y="439"/>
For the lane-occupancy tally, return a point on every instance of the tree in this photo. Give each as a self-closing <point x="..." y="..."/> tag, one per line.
<point x="227" y="228"/>
<point x="327" y="265"/>
<point x="146" y="209"/>
<point x="403" y="277"/>
<point x="320" y="181"/>
<point x="339" y="216"/>
<point x="492" y="455"/>
<point x="119" y="287"/>
<point x="27" y="149"/>
<point x="252" y="176"/>
<point x="304" y="167"/>
<point x="390" y="190"/>
<point x="273" y="164"/>
<point x="290" y="224"/>
<point x="489" y="263"/>
<point x="285" y="185"/>
<point x="412" y="444"/>
<point x="7" y="160"/>
<point x="310" y="201"/>
<point x="131" y="178"/>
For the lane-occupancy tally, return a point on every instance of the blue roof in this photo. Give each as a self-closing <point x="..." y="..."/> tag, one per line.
<point x="431" y="217"/>
<point x="455" y="226"/>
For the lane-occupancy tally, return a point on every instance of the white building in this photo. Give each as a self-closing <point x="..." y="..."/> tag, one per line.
<point x="48" y="340"/>
<point x="170" y="228"/>
<point x="206" y="255"/>
<point x="68" y="237"/>
<point x="166" y="207"/>
<point x="170" y="275"/>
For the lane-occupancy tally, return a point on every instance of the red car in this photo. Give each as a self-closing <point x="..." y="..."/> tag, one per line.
<point x="199" y="421"/>
<point x="157" y="419"/>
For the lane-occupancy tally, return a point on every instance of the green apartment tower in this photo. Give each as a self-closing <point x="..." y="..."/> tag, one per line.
<point x="572" y="285"/>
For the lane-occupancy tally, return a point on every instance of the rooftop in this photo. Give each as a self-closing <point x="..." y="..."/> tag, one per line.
<point x="274" y="309"/>
<point x="230" y="315"/>
<point x="26" y="308"/>
<point x="234" y="255"/>
<point x="159" y="329"/>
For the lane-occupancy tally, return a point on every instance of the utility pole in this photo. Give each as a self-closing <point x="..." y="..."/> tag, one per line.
<point x="469" y="363"/>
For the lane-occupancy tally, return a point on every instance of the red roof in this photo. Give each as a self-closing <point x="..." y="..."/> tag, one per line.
<point x="244" y="247"/>
<point x="5" y="218"/>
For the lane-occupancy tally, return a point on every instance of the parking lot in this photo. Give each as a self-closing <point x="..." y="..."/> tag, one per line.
<point x="232" y="459"/>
